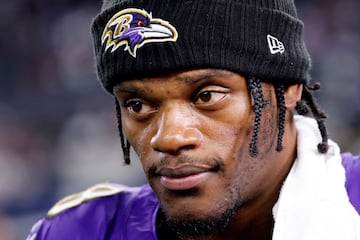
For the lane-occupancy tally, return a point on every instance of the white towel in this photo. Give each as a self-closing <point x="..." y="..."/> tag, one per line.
<point x="313" y="202"/>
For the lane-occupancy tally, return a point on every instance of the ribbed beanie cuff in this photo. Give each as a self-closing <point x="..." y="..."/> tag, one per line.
<point x="261" y="38"/>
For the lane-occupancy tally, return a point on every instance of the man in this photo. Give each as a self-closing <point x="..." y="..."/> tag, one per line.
<point x="205" y="92"/>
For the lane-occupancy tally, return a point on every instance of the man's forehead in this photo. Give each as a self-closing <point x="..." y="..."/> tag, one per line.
<point x="188" y="76"/>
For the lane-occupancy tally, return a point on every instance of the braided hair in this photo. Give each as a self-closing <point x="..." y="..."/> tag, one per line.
<point x="259" y="103"/>
<point x="306" y="106"/>
<point x="125" y="145"/>
<point x="309" y="104"/>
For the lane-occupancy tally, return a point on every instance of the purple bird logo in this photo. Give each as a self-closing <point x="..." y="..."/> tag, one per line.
<point x="133" y="28"/>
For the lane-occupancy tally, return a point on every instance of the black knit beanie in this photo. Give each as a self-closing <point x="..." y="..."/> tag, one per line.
<point x="143" y="38"/>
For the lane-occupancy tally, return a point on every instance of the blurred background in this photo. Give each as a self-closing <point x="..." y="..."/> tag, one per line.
<point x="58" y="131"/>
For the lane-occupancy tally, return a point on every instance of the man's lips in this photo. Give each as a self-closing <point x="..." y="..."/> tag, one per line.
<point x="183" y="177"/>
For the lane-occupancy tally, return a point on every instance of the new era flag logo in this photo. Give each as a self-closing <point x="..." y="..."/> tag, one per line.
<point x="275" y="45"/>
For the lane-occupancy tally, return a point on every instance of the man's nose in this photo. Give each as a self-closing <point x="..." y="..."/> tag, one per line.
<point x="177" y="130"/>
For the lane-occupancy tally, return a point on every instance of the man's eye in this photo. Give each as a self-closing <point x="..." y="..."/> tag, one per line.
<point x="209" y="97"/>
<point x="134" y="106"/>
<point x="205" y="96"/>
<point x="137" y="107"/>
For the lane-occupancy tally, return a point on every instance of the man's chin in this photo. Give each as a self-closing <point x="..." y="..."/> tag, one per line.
<point x="190" y="226"/>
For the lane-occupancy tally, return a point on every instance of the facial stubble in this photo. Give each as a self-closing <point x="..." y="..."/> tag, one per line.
<point x="191" y="226"/>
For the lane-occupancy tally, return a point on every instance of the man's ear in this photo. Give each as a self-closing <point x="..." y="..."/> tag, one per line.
<point x="292" y="95"/>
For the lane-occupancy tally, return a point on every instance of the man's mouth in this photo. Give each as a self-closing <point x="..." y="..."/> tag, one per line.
<point x="184" y="177"/>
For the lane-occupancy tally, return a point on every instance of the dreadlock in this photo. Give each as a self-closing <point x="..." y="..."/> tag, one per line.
<point x="305" y="106"/>
<point x="279" y="91"/>
<point x="125" y="145"/>
<point x="259" y="103"/>
<point x="308" y="104"/>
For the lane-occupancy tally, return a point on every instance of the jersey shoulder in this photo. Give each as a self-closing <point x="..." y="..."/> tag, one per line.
<point x="74" y="200"/>
<point x="351" y="164"/>
<point x="88" y="214"/>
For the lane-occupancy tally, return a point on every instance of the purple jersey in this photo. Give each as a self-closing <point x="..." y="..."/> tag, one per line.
<point x="105" y="211"/>
<point x="116" y="212"/>
<point x="352" y="168"/>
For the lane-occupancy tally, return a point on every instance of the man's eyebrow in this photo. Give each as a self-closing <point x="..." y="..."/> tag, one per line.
<point x="129" y="90"/>
<point x="190" y="80"/>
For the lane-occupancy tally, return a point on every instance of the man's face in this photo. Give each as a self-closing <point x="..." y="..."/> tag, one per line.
<point x="191" y="131"/>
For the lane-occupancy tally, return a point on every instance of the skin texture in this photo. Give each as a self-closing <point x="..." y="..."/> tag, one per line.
<point x="198" y="125"/>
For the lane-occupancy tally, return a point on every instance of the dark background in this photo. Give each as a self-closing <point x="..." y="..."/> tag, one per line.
<point x="58" y="130"/>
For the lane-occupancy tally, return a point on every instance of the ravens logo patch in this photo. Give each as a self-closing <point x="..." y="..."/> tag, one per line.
<point x="133" y="28"/>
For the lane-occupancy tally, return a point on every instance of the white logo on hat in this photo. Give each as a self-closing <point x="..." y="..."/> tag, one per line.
<point x="275" y="45"/>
